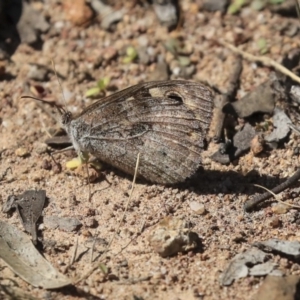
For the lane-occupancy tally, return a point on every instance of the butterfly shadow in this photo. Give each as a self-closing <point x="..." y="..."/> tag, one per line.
<point x="207" y="182"/>
<point x="231" y="182"/>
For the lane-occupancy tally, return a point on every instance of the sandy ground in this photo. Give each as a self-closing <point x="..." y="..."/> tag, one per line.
<point x="84" y="55"/>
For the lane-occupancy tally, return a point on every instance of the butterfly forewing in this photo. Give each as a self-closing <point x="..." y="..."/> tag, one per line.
<point x="165" y="121"/>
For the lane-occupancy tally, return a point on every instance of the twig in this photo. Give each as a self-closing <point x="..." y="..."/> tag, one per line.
<point x="93" y="247"/>
<point x="127" y="203"/>
<point x="251" y="203"/>
<point x="5" y="173"/>
<point x="135" y="280"/>
<point x="277" y="198"/>
<point x="266" y="61"/>
<point x="96" y="264"/>
<point x="74" y="253"/>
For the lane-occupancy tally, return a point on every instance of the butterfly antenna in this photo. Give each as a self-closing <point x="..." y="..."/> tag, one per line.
<point x="60" y="109"/>
<point x="60" y="86"/>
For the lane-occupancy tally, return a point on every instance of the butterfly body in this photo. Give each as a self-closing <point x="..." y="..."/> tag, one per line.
<point x="165" y="121"/>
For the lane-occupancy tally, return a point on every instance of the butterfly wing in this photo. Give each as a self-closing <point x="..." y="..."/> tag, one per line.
<point x="165" y="121"/>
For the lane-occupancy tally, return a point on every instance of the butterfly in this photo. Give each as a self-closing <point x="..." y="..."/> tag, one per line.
<point x="165" y="122"/>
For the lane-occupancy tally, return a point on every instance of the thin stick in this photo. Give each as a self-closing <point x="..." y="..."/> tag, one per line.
<point x="2" y="176"/>
<point x="262" y="59"/>
<point x="251" y="203"/>
<point x="74" y="253"/>
<point x="93" y="247"/>
<point x="129" y="198"/>
<point x="96" y="264"/>
<point x="59" y="83"/>
<point x="277" y="198"/>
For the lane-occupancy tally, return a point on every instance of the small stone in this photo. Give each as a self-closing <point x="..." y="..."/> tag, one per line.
<point x="40" y="148"/>
<point x="46" y="164"/>
<point x="92" y="175"/>
<point x="38" y="73"/>
<point x="257" y="145"/>
<point x="161" y="71"/>
<point x="197" y="208"/>
<point x="172" y="235"/>
<point x="91" y="222"/>
<point x="110" y="53"/>
<point x="37" y="177"/>
<point x="280" y="209"/>
<point x="77" y="12"/>
<point x="22" y="152"/>
<point x="144" y="58"/>
<point x="279" y="288"/>
<point x="65" y="224"/>
<point x="215" y="5"/>
<point x="56" y="168"/>
<point x="275" y="222"/>
<point x="167" y="12"/>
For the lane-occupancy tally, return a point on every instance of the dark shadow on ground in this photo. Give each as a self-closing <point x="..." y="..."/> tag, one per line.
<point x="10" y="14"/>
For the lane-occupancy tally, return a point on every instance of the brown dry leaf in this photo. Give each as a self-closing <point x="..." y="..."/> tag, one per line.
<point x="77" y="12"/>
<point x="17" y="250"/>
<point x="29" y="206"/>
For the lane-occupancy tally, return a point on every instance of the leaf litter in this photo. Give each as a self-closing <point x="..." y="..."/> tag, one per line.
<point x="29" y="206"/>
<point x="17" y="250"/>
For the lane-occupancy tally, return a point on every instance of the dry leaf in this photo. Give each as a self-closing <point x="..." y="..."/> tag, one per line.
<point x="17" y="250"/>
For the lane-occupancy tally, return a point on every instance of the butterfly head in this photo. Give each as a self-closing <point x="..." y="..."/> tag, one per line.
<point x="66" y="117"/>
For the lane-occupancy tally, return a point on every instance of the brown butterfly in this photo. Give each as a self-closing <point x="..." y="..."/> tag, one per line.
<point x="165" y="121"/>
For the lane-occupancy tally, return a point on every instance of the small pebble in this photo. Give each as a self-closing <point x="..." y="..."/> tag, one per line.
<point x="280" y="209"/>
<point x="91" y="222"/>
<point x="257" y="145"/>
<point x="40" y="148"/>
<point x="275" y="222"/>
<point x="46" y="164"/>
<point x="22" y="152"/>
<point x="197" y="207"/>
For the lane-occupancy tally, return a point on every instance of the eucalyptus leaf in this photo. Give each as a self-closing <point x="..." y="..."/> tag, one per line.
<point x="17" y="250"/>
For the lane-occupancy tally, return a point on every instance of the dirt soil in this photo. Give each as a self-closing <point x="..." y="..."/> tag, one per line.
<point x="85" y="54"/>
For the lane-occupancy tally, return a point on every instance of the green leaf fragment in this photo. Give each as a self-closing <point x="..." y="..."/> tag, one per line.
<point x="131" y="55"/>
<point x="236" y="6"/>
<point x="103" y="83"/>
<point x="103" y="268"/>
<point x="259" y="4"/>
<point x="184" y="61"/>
<point x="93" y="91"/>
<point x="262" y="45"/>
